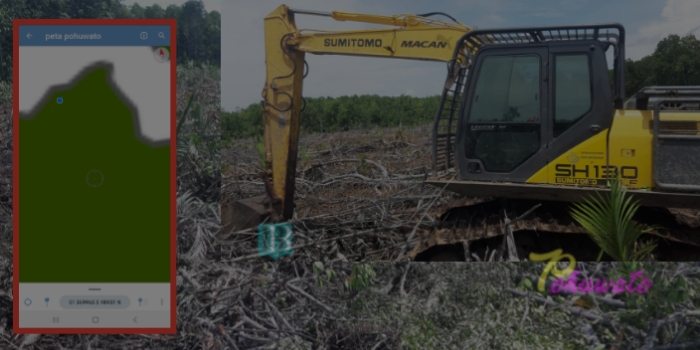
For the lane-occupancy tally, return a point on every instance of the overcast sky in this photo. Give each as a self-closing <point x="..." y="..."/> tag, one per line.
<point x="242" y="52"/>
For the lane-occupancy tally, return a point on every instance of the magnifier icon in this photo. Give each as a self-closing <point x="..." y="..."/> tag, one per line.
<point x="161" y="35"/>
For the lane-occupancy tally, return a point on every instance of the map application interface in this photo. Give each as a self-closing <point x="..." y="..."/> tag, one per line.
<point x="94" y="171"/>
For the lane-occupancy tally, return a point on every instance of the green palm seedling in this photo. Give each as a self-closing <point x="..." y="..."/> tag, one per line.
<point x="608" y="221"/>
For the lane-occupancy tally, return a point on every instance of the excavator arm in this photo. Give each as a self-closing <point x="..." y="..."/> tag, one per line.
<point x="411" y="37"/>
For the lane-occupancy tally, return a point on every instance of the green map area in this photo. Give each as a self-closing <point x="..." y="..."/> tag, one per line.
<point x="94" y="203"/>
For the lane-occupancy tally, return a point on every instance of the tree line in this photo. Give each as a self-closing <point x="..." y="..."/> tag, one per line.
<point x="198" y="31"/>
<point x="328" y="114"/>
<point x="676" y="61"/>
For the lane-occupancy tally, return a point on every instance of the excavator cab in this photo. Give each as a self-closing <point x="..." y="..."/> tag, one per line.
<point x="525" y="95"/>
<point x="532" y="113"/>
<point x="509" y="129"/>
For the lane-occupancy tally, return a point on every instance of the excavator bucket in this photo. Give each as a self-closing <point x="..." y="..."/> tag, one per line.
<point x="243" y="214"/>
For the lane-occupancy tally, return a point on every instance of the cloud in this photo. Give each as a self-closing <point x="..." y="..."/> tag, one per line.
<point x="243" y="56"/>
<point x="677" y="17"/>
<point x="497" y="18"/>
<point x="548" y="14"/>
<point x="694" y="31"/>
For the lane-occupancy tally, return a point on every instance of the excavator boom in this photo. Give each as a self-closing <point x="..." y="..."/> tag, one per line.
<point x="409" y="37"/>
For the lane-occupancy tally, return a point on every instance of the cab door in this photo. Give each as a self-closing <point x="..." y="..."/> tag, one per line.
<point x="503" y="134"/>
<point x="580" y="115"/>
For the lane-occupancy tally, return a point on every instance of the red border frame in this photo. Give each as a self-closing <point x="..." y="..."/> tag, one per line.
<point x="173" y="183"/>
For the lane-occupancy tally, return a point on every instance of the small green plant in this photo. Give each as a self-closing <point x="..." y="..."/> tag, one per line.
<point x="322" y="147"/>
<point x="319" y="270"/>
<point x="226" y="143"/>
<point x="304" y="156"/>
<point x="608" y="221"/>
<point x="662" y="299"/>
<point x="361" y="277"/>
<point x="196" y="139"/>
<point x="400" y="135"/>
<point x="363" y="168"/>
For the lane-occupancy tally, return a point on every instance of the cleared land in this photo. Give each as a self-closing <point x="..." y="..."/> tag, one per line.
<point x="359" y="197"/>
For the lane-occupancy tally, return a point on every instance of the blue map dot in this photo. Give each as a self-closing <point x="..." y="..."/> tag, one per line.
<point x="59" y="100"/>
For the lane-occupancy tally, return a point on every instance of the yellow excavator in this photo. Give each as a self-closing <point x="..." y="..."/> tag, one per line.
<point x="526" y="113"/>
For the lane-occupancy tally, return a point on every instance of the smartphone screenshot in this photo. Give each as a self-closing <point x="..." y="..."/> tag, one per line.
<point x="94" y="176"/>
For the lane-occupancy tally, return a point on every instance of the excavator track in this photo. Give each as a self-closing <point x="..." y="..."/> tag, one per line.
<point x="547" y="228"/>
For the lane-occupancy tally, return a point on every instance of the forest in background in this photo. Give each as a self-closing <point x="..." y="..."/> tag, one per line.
<point x="328" y="114"/>
<point x="676" y="61"/>
<point x="198" y="31"/>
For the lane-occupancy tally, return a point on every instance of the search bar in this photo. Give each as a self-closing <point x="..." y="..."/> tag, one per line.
<point x="94" y="35"/>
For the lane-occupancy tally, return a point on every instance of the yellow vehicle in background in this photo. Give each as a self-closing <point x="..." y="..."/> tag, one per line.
<point x="527" y="113"/>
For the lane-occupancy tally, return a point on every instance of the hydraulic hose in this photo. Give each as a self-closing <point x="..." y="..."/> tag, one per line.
<point x="294" y="69"/>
